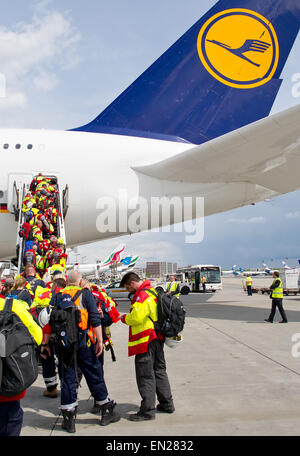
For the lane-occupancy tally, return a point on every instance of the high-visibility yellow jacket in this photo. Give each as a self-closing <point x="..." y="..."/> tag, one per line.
<point x="25" y="201"/>
<point x="39" y="262"/>
<point x="57" y="267"/>
<point x="278" y="292"/>
<point x="22" y="312"/>
<point x="42" y="297"/>
<point x="173" y="286"/>
<point x="37" y="232"/>
<point x="249" y="281"/>
<point x="141" y="327"/>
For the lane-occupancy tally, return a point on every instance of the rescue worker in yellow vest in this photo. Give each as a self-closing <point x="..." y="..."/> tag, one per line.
<point x="37" y="231"/>
<point x="28" y="199"/>
<point x="148" y="348"/>
<point x="57" y="267"/>
<point x="11" y="413"/>
<point x="36" y="180"/>
<point x="39" y="263"/>
<point x="173" y="287"/>
<point x="41" y="301"/>
<point x="203" y="281"/>
<point x="277" y="296"/>
<point x="249" y="285"/>
<point x="87" y="356"/>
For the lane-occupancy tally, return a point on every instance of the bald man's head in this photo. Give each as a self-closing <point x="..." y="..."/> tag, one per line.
<point x="74" y="278"/>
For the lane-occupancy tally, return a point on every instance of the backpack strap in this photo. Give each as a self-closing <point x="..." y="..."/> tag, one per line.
<point x="8" y="304"/>
<point x="76" y="295"/>
<point x="152" y="292"/>
<point x="20" y="294"/>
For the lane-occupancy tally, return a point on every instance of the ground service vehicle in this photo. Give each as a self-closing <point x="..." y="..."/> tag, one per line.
<point x="115" y="291"/>
<point x="184" y="283"/>
<point x="194" y="274"/>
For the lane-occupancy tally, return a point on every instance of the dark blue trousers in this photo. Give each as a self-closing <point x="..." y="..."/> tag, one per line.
<point x="92" y="370"/>
<point x="49" y="371"/>
<point x="11" y="418"/>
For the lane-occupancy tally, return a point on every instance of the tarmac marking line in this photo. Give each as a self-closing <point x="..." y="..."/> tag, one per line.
<point x="54" y="425"/>
<point x="251" y="348"/>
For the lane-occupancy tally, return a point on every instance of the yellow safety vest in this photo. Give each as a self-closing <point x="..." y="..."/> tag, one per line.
<point x="141" y="327"/>
<point x="42" y="297"/>
<point x="249" y="281"/>
<point x="22" y="312"/>
<point x="172" y="286"/>
<point x="57" y="267"/>
<point x="278" y="292"/>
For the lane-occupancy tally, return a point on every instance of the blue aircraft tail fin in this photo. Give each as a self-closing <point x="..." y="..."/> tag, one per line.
<point x="126" y="260"/>
<point x="222" y="74"/>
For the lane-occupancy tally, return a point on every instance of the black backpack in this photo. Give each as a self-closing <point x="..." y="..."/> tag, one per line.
<point x="65" y="332"/>
<point x="18" y="358"/>
<point x="170" y="313"/>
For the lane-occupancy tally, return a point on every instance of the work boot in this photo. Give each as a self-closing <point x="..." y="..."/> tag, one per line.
<point x="107" y="414"/>
<point x="96" y="408"/>
<point x="269" y="321"/>
<point x="69" y="417"/>
<point x="283" y="321"/>
<point x="161" y="408"/>
<point x="141" y="417"/>
<point x="51" y="394"/>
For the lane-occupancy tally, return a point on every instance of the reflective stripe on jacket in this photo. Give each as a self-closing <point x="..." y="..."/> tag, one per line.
<point x="172" y="286"/>
<point x="278" y="292"/>
<point x="141" y="327"/>
<point x="42" y="297"/>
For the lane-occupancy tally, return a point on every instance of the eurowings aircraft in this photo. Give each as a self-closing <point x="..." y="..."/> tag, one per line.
<point x="232" y="271"/>
<point x="195" y="123"/>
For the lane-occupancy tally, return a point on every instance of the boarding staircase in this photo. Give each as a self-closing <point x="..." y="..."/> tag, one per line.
<point x="61" y="204"/>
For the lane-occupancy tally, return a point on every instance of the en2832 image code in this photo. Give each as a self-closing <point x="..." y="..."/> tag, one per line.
<point x="169" y="445"/>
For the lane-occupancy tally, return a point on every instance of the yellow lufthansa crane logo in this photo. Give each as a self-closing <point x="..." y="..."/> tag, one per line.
<point x="239" y="48"/>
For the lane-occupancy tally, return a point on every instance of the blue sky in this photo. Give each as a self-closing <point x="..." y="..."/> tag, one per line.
<point x="65" y="61"/>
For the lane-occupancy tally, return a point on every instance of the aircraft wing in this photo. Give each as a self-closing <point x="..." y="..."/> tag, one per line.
<point x="266" y="153"/>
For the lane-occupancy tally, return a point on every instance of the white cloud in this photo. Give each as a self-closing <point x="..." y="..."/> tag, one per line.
<point x="247" y="220"/>
<point x="33" y="54"/>
<point x="45" y="81"/>
<point x="13" y="100"/>
<point x="293" y="215"/>
<point x="27" y="46"/>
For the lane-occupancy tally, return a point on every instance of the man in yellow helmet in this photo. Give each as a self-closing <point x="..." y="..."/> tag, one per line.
<point x="277" y="296"/>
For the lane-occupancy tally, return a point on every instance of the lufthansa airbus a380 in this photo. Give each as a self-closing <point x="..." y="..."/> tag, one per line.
<point x="195" y="123"/>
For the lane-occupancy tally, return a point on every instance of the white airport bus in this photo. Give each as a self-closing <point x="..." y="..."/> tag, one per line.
<point x="194" y="274"/>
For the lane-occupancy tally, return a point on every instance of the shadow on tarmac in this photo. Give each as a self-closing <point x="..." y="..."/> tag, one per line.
<point x="37" y="405"/>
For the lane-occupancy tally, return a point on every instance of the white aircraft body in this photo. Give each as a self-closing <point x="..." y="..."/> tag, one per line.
<point x="240" y="156"/>
<point x="96" y="268"/>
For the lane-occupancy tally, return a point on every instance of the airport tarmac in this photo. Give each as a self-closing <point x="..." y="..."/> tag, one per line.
<point x="233" y="375"/>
